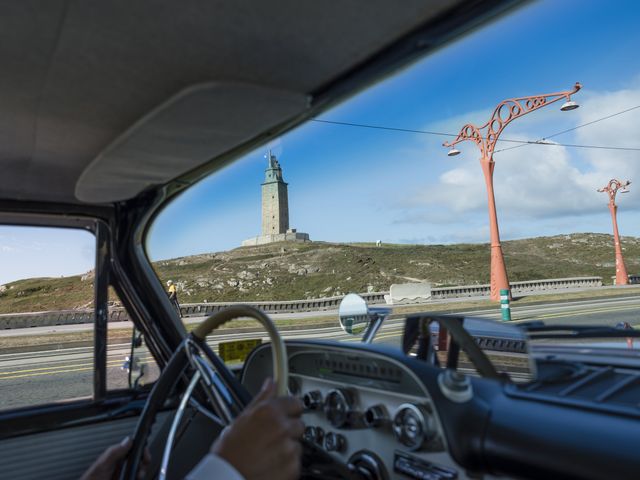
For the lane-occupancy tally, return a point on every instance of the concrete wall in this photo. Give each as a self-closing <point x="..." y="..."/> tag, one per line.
<point x="291" y="236"/>
<point x="70" y="317"/>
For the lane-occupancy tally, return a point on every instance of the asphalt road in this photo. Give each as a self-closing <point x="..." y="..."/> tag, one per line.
<point x="39" y="377"/>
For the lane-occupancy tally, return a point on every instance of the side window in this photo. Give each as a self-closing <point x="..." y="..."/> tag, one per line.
<point x="129" y="362"/>
<point x="46" y="315"/>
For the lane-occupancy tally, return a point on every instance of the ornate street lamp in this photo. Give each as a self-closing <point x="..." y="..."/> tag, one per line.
<point x="486" y="137"/>
<point x="612" y="188"/>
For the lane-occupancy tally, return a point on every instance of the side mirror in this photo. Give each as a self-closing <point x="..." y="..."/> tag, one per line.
<point x="141" y="372"/>
<point x="356" y="318"/>
<point x="134" y="367"/>
<point x="353" y="313"/>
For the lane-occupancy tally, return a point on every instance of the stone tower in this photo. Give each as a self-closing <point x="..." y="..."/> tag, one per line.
<point x="275" y="200"/>
<point x="275" y="209"/>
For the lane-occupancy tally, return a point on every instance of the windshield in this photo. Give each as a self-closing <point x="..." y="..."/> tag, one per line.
<point x="530" y="201"/>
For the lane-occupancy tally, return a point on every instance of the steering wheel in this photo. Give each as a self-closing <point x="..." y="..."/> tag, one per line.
<point x="224" y="391"/>
<point x="226" y="394"/>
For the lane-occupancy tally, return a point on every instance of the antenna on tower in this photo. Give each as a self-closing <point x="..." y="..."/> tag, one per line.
<point x="269" y="157"/>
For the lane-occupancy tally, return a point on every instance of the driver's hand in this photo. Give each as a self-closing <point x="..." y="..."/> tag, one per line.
<point x="264" y="441"/>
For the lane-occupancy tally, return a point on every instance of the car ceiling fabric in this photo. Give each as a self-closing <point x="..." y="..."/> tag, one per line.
<point x="77" y="75"/>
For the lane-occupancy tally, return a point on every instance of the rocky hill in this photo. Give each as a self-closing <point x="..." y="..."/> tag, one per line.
<point x="297" y="271"/>
<point x="310" y="270"/>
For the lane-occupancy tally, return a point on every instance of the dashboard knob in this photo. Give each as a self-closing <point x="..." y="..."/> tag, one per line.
<point x="338" y="407"/>
<point x="376" y="416"/>
<point x="455" y="386"/>
<point x="334" y="442"/>
<point x="312" y="400"/>
<point x="314" y="435"/>
<point x="413" y="426"/>
<point x="367" y="465"/>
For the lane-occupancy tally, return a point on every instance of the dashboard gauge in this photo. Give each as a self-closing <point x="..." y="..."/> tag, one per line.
<point x="312" y="400"/>
<point x="338" y="406"/>
<point x="413" y="426"/>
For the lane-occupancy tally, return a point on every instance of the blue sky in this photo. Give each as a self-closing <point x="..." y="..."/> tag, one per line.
<point x="28" y="252"/>
<point x="350" y="184"/>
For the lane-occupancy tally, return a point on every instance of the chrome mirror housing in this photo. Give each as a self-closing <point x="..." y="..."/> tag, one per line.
<point x="353" y="313"/>
<point x="356" y="318"/>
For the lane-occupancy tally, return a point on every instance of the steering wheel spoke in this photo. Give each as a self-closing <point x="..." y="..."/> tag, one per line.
<point x="174" y="425"/>
<point x="224" y="392"/>
<point x="219" y="394"/>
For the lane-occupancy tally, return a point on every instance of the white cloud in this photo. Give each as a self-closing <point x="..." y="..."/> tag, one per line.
<point x="621" y="131"/>
<point x="538" y="182"/>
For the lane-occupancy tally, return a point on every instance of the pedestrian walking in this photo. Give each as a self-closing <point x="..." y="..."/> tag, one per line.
<point x="172" y="291"/>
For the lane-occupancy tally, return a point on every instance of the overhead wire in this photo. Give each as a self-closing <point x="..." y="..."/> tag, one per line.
<point x="522" y="143"/>
<point x="543" y="140"/>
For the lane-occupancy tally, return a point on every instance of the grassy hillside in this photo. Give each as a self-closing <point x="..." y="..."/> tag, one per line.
<point x="296" y="271"/>
<point x="292" y="271"/>
<point x="41" y="294"/>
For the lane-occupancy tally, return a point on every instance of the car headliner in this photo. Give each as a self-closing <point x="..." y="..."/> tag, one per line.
<point x="104" y="99"/>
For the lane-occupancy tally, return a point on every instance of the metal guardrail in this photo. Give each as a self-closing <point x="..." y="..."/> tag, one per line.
<point x="517" y="288"/>
<point x="118" y="314"/>
<point x="285" y="306"/>
<point x="633" y="279"/>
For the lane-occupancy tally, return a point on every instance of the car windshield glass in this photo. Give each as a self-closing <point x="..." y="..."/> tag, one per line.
<point x="529" y="199"/>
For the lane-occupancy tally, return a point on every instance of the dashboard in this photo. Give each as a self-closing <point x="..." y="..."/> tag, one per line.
<point x="387" y="415"/>
<point x="391" y="416"/>
<point x="365" y="409"/>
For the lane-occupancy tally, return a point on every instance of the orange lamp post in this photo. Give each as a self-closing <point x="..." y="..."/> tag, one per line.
<point x="486" y="137"/>
<point x="612" y="189"/>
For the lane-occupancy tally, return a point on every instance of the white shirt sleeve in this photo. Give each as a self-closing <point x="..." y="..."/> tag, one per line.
<point x="212" y="467"/>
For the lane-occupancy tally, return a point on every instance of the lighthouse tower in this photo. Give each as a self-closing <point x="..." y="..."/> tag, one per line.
<point x="275" y="209"/>
<point x="275" y="200"/>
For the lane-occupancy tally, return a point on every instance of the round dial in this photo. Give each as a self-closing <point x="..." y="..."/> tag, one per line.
<point x="413" y="426"/>
<point x="338" y="405"/>
<point x="312" y="400"/>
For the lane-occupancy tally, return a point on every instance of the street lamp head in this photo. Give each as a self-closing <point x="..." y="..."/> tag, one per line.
<point x="453" y="152"/>
<point x="569" y="105"/>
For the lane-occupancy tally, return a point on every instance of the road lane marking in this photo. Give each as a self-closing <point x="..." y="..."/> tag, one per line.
<point x="574" y="313"/>
<point x="58" y="369"/>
